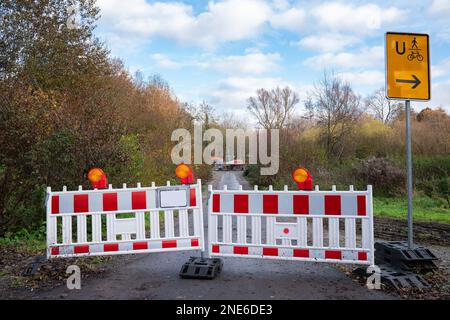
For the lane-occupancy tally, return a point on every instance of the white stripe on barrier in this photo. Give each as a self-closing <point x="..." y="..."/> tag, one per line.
<point x="123" y="221"/>
<point x="299" y="225"/>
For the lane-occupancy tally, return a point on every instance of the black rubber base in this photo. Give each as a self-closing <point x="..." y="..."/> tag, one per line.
<point x="399" y="256"/>
<point x="396" y="278"/>
<point x="201" y="268"/>
<point x="401" y="267"/>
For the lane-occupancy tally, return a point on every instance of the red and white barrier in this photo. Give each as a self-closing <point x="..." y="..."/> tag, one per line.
<point x="124" y="221"/>
<point x="292" y="225"/>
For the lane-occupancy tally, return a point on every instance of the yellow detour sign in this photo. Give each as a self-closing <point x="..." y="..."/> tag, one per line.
<point x="408" y="66"/>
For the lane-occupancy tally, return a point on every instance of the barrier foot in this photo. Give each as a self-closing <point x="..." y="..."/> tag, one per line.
<point x="402" y="267"/>
<point x="396" y="278"/>
<point x="399" y="256"/>
<point x="201" y="268"/>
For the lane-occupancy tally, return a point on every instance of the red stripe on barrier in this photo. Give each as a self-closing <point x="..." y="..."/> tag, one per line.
<point x="55" y="251"/>
<point x="333" y="205"/>
<point x="270" y="252"/>
<point x="300" y="253"/>
<point x="140" y="246"/>
<point x="301" y="204"/>
<point x="336" y="255"/>
<point x="216" y="203"/>
<point x="110" y="202"/>
<point x="111" y="247"/>
<point x="215" y="249"/>
<point x="241" y="203"/>
<point x="192" y="198"/>
<point x="81" y="203"/>
<point x="55" y="204"/>
<point x="194" y="243"/>
<point x="138" y="200"/>
<point x="362" y="206"/>
<point x="240" y="250"/>
<point x="166" y="244"/>
<point x="81" y="249"/>
<point x="270" y="204"/>
<point x="362" y="256"/>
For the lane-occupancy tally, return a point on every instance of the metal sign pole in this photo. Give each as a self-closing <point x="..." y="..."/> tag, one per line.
<point x="409" y="184"/>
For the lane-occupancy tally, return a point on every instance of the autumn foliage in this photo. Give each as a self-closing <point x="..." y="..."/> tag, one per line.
<point x="66" y="106"/>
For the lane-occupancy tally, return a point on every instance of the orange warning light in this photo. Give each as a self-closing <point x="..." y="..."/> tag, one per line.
<point x="303" y="179"/>
<point x="185" y="174"/>
<point x="97" y="177"/>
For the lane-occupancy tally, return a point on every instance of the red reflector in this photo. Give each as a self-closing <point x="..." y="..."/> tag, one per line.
<point x="361" y="205"/>
<point x="111" y="247"/>
<point x="55" y="204"/>
<point x="194" y="243"/>
<point x="362" y="256"/>
<point x="110" y="202"/>
<point x="140" y="246"/>
<point x="337" y="255"/>
<point x="240" y="250"/>
<point x="215" y="249"/>
<point x="216" y="203"/>
<point x="55" y="251"/>
<point x="333" y="205"/>
<point x="270" y="204"/>
<point x="81" y="249"/>
<point x="270" y="252"/>
<point x="81" y="203"/>
<point x="166" y="244"/>
<point x="301" y="204"/>
<point x="138" y="200"/>
<point x="298" y="253"/>
<point x="241" y="203"/>
<point x="192" y="198"/>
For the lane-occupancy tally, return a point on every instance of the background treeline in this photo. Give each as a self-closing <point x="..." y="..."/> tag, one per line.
<point x="67" y="106"/>
<point x="344" y="140"/>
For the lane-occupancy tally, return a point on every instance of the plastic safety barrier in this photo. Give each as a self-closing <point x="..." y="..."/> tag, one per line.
<point x="292" y="225"/>
<point x="124" y="221"/>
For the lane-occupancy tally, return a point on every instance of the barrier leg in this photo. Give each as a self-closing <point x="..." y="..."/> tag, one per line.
<point x="202" y="268"/>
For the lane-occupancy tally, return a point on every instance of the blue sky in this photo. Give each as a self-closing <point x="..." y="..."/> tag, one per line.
<point x="223" y="51"/>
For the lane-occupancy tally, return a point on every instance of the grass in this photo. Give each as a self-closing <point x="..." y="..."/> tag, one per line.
<point x="424" y="208"/>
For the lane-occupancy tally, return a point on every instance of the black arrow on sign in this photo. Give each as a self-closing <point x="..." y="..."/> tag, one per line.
<point x="416" y="81"/>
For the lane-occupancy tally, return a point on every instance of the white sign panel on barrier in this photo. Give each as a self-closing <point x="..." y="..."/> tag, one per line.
<point x="173" y="198"/>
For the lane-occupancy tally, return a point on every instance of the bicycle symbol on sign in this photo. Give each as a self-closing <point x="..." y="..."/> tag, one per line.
<point x="415" y="52"/>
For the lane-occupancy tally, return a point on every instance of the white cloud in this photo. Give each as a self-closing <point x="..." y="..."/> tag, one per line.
<point x="280" y="4"/>
<point x="250" y="63"/>
<point x="440" y="96"/>
<point x="328" y="42"/>
<point x="441" y="69"/>
<point x="440" y="8"/>
<point x="364" y="82"/>
<point x="165" y="62"/>
<point x="292" y="20"/>
<point x="367" y="57"/>
<point x="337" y="16"/>
<point x="224" y="21"/>
<point x="233" y="92"/>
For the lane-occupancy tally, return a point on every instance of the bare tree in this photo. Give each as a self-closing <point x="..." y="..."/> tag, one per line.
<point x="382" y="108"/>
<point x="273" y="108"/>
<point x="336" y="109"/>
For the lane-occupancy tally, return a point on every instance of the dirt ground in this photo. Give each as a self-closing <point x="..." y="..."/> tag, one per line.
<point x="155" y="276"/>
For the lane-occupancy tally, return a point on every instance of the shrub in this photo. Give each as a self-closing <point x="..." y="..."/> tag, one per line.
<point x="382" y="174"/>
